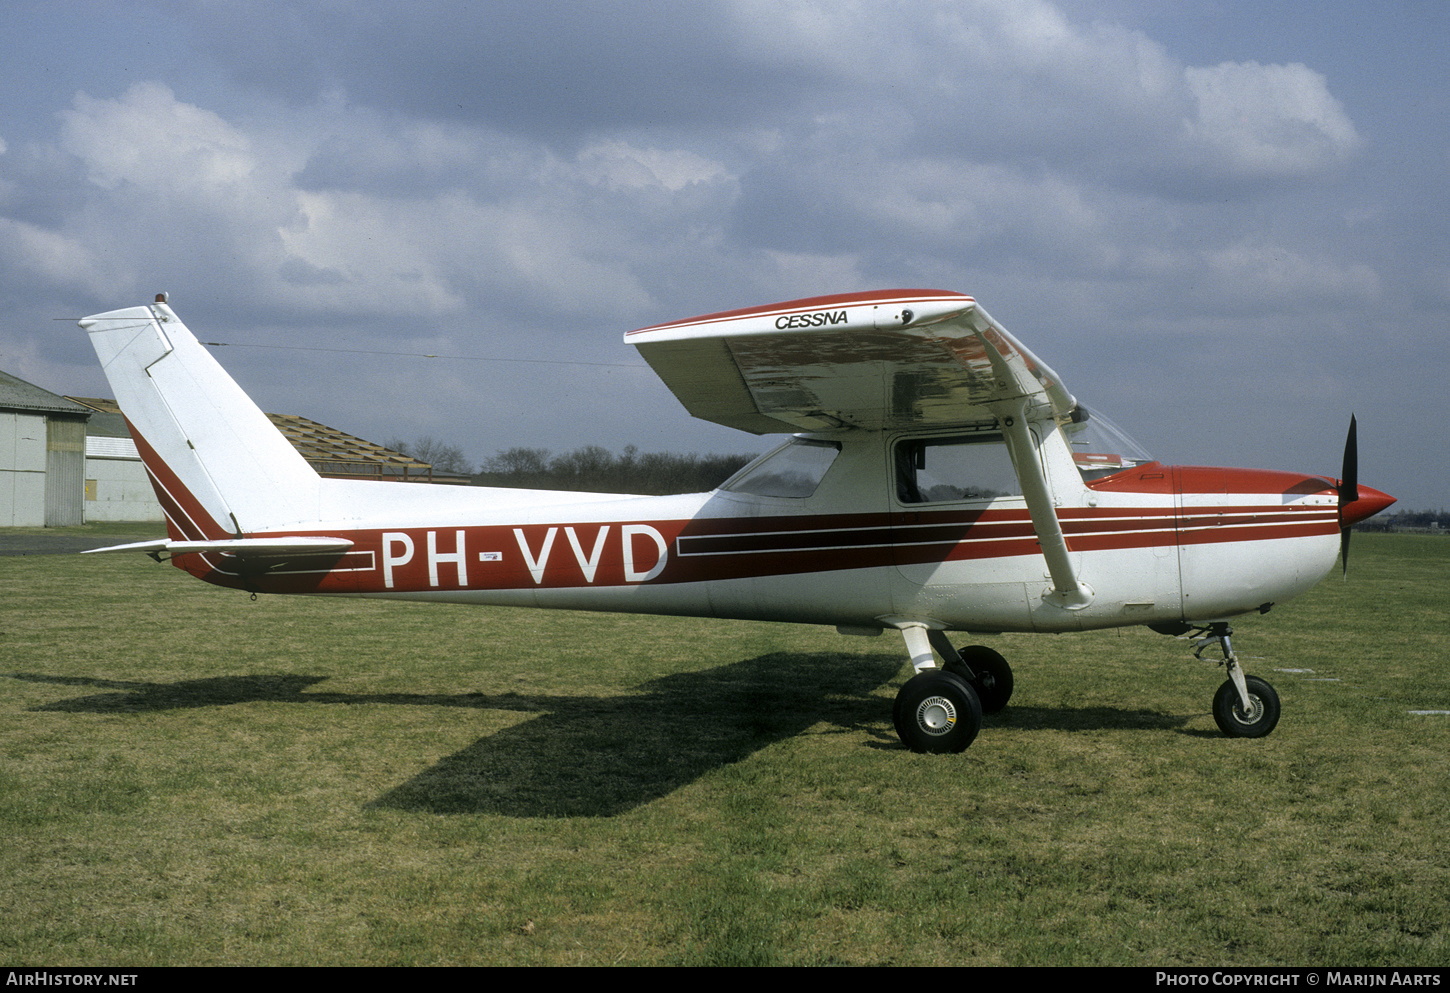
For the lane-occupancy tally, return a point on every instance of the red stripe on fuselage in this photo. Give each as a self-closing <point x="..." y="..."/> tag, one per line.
<point x="543" y="556"/>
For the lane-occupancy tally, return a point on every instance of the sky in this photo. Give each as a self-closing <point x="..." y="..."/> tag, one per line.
<point x="1223" y="223"/>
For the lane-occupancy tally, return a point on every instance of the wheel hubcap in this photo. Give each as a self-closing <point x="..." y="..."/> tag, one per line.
<point x="936" y="715"/>
<point x="1255" y="711"/>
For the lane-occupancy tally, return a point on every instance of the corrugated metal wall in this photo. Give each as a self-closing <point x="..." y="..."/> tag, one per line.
<point x="65" y="472"/>
<point x="117" y="487"/>
<point x="22" y="469"/>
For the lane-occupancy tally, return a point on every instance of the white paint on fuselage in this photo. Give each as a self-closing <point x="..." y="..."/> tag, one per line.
<point x="1157" y="580"/>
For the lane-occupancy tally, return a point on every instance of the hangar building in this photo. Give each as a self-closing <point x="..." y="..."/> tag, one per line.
<point x="117" y="488"/>
<point x="42" y="456"/>
<point x="70" y="460"/>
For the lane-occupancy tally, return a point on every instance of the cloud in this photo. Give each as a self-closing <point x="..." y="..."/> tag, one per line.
<point x="619" y="165"/>
<point x="58" y="260"/>
<point x="560" y="73"/>
<point x="149" y="139"/>
<point x="1262" y="276"/>
<point x="1014" y="83"/>
<point x="1274" y="120"/>
<point x="344" y="211"/>
<point x="338" y="209"/>
<point x="1004" y="130"/>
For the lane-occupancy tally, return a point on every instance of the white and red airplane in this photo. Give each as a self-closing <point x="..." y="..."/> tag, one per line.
<point x="938" y="477"/>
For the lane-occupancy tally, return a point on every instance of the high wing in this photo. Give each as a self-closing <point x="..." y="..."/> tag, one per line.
<point x="885" y="360"/>
<point x="879" y="361"/>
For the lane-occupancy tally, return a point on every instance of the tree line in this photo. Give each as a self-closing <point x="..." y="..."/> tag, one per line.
<point x="593" y="469"/>
<point x="1438" y="519"/>
<point x="597" y="470"/>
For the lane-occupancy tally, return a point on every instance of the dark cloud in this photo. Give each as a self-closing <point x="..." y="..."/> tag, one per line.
<point x="558" y="72"/>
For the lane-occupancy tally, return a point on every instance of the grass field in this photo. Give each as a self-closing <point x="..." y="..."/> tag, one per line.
<point x="190" y="777"/>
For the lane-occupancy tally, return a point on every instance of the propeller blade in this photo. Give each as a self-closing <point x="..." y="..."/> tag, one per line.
<point x="1349" y="475"/>
<point x="1348" y="491"/>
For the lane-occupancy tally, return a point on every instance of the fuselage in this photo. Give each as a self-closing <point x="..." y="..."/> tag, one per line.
<point x="1152" y="543"/>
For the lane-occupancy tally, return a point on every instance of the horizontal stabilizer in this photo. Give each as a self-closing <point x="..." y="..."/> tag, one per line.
<point x="286" y="545"/>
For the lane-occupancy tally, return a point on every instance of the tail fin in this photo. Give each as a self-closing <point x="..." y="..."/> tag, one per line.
<point x="218" y="465"/>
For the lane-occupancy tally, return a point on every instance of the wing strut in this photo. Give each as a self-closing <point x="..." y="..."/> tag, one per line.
<point x="1068" y="591"/>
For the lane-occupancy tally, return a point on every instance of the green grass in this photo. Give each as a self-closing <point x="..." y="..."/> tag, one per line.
<point x="190" y="777"/>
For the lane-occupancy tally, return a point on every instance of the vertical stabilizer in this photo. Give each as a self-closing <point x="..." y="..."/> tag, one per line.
<point x="219" y="466"/>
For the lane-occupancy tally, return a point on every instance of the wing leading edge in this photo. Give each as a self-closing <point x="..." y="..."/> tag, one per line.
<point x="885" y="360"/>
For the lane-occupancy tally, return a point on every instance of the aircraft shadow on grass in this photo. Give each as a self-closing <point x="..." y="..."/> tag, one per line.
<point x="605" y="755"/>
<point x="582" y="755"/>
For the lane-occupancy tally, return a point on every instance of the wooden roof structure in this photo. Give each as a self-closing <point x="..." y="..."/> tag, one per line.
<point x="333" y="453"/>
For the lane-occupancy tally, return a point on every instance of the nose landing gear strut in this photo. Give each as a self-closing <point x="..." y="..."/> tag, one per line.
<point x="1244" y="706"/>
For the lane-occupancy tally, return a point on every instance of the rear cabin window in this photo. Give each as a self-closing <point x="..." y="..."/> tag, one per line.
<point x="939" y="470"/>
<point x="794" y="470"/>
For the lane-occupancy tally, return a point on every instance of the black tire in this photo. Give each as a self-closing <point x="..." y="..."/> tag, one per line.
<point x="1262" y="716"/>
<point x="993" y="681"/>
<point x="937" y="712"/>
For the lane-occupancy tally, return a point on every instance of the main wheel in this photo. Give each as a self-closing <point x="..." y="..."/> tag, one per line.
<point x="1258" y="720"/>
<point x="993" y="681"/>
<point x="937" y="711"/>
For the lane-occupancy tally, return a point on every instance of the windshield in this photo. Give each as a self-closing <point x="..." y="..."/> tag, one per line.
<point x="1099" y="447"/>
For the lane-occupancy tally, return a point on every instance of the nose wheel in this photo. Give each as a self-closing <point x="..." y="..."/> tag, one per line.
<point x="1253" y="721"/>
<point x="1244" y="706"/>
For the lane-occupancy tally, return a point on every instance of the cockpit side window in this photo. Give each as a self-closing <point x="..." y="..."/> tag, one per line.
<point x="794" y="470"/>
<point x="939" y="470"/>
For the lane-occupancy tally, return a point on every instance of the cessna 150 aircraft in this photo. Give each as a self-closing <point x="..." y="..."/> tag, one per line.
<point x="938" y="477"/>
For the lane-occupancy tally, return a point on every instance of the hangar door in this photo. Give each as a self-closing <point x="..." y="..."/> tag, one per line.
<point x="65" y="472"/>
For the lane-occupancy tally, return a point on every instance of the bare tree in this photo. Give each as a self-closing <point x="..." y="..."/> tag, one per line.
<point x="441" y="456"/>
